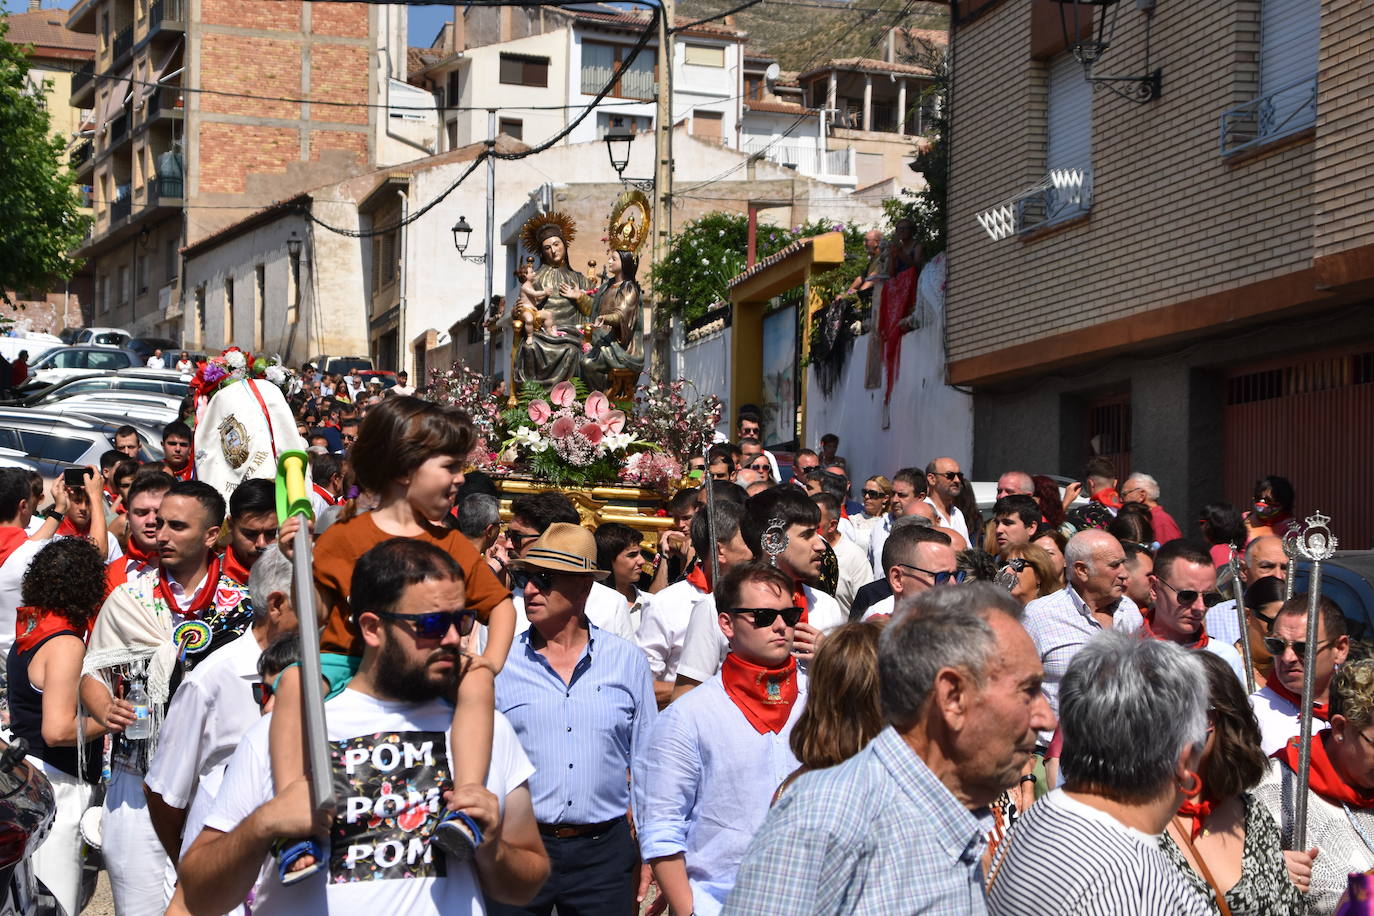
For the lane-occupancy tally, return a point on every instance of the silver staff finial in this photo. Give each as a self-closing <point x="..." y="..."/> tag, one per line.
<point x="774" y="540"/>
<point x="1315" y="544"/>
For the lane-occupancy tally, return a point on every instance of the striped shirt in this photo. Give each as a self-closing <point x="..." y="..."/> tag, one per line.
<point x="581" y="735"/>
<point x="1083" y="862"/>
<point x="878" y="834"/>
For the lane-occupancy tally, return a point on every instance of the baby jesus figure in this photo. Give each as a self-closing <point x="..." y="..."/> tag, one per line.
<point x="527" y="305"/>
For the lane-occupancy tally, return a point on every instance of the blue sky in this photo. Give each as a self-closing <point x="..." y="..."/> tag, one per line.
<point x="425" y="21"/>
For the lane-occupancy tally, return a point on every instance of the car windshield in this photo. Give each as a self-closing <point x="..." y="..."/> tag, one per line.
<point x="344" y="364"/>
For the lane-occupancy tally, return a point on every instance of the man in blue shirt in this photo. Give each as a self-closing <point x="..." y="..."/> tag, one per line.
<point x="582" y="703"/>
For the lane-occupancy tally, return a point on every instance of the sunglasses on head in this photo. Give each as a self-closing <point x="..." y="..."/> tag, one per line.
<point x="1275" y="646"/>
<point x="764" y="616"/>
<point x="1187" y="596"/>
<point x="434" y="624"/>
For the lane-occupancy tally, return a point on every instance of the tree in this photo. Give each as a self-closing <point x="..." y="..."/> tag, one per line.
<point x="41" y="220"/>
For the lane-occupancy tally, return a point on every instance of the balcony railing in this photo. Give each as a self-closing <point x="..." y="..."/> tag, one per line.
<point x="81" y="155"/>
<point x="167" y="14"/>
<point x="1060" y="195"/>
<point x="163" y="186"/>
<point x="1284" y="111"/>
<point x="122" y="205"/>
<point x="119" y="127"/>
<point x="164" y="100"/>
<point x="805" y="158"/>
<point x="83" y="77"/>
<point x="124" y="41"/>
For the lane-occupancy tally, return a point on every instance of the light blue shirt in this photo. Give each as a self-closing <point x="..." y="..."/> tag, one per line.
<point x="1222" y="623"/>
<point x="582" y="735"/>
<point x="703" y="784"/>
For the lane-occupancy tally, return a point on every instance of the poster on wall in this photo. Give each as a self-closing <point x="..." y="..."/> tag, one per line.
<point x="780" y="377"/>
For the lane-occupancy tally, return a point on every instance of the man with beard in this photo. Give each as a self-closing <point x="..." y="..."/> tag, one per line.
<point x="389" y="753"/>
<point x="945" y="482"/>
<point x="145" y="495"/>
<point x="252" y="526"/>
<point x="893" y="829"/>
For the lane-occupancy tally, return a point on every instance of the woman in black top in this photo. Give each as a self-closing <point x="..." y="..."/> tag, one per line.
<point x="62" y="591"/>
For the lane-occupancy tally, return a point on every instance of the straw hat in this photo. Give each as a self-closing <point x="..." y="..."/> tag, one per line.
<point x="563" y="548"/>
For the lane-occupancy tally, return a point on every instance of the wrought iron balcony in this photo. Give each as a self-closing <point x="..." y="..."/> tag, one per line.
<point x="1282" y="112"/>
<point x="124" y="42"/>
<point x="167" y="14"/>
<point x="1060" y="195"/>
<point x="164" y="101"/>
<point x="119" y="128"/>
<point x="82" y="78"/>
<point x="121" y="206"/>
<point x="161" y="188"/>
<point x="80" y="155"/>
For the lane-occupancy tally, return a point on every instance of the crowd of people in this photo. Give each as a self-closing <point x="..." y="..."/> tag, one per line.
<point x="802" y="697"/>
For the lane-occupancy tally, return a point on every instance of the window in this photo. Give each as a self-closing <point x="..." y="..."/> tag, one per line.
<point x="513" y="128"/>
<point x="599" y="63"/>
<point x="384" y="269"/>
<point x="54" y="446"/>
<point x="703" y="55"/>
<point x="228" y="311"/>
<point x="1289" y="31"/>
<point x="452" y="130"/>
<point x="170" y="253"/>
<point x="706" y="125"/>
<point x="1069" y="118"/>
<point x="260" y="293"/>
<point x="123" y="283"/>
<point x="523" y="70"/>
<point x="104" y="32"/>
<point x="753" y="86"/>
<point x="454" y="89"/>
<point x="636" y="124"/>
<point x="141" y="280"/>
<point x="112" y="359"/>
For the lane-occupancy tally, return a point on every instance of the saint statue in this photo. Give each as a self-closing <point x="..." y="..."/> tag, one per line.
<point x="552" y="351"/>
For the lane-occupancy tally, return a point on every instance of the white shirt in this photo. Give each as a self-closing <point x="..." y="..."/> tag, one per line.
<point x="1278" y="719"/>
<point x="11" y="585"/>
<point x="156" y="362"/>
<point x="353" y="384"/>
<point x="877" y="537"/>
<point x="185" y="365"/>
<point x="854" y="572"/>
<point x="703" y="783"/>
<point x="385" y="754"/>
<point x="402" y="390"/>
<point x="663" y="626"/>
<point x="705" y="646"/>
<point x="208" y="715"/>
<point x="954" y="521"/>
<point x="879" y="608"/>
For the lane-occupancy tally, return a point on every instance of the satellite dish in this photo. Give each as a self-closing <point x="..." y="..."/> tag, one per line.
<point x="770" y="76"/>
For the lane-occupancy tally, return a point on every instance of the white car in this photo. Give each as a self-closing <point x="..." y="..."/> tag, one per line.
<point x="65" y="363"/>
<point x="103" y="337"/>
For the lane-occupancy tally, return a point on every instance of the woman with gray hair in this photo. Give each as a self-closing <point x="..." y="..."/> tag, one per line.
<point x="1133" y="715"/>
<point x="1340" y="794"/>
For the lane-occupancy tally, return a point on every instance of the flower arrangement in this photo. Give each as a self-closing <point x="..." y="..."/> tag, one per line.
<point x="232" y="365"/>
<point x="570" y="436"/>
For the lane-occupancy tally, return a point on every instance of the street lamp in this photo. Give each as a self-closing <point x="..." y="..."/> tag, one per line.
<point x="618" y="140"/>
<point x="461" y="233"/>
<point x="293" y="246"/>
<point x="1088" y="34"/>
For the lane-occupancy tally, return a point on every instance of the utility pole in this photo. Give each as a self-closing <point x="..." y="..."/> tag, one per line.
<point x="657" y="351"/>
<point x="490" y="257"/>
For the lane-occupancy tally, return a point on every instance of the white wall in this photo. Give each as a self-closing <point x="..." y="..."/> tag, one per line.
<point x="709" y="88"/>
<point x="926" y="418"/>
<point x="706" y="364"/>
<point x="481" y="88"/>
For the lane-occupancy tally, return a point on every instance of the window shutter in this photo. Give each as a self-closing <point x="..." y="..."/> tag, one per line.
<point x="1289" y="38"/>
<point x="1070" y="116"/>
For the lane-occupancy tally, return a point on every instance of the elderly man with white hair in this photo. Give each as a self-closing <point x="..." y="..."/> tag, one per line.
<point x="1144" y="489"/>
<point x="1094" y="600"/>
<point x="1015" y="483"/>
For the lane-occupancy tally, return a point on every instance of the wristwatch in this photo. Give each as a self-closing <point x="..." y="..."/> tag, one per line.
<point x="54" y="515"/>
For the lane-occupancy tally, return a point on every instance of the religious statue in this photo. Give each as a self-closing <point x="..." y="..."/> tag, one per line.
<point x="569" y="326"/>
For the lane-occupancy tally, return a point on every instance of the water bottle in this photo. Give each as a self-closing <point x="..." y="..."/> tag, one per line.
<point x="141" y="727"/>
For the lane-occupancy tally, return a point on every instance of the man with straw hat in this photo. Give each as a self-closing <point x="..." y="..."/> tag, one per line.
<point x="582" y="703"/>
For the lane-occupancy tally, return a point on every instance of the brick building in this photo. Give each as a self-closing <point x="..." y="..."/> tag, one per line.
<point x="187" y="137"/>
<point x="1183" y="283"/>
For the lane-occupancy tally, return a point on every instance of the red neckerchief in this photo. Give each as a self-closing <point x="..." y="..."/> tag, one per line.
<point x="204" y="599"/>
<point x="11" y="536"/>
<point x="1322" y="776"/>
<point x="1197" y="809"/>
<point x="698" y="578"/>
<point x="139" y="556"/>
<point x="799" y="600"/>
<point x="186" y="473"/>
<point x="67" y="529"/>
<point x="233" y="568"/>
<point x="764" y="695"/>
<point x="1320" y="711"/>
<point x="1146" y="630"/>
<point x="33" y="625"/>
<point x="331" y="500"/>
<point x="1107" y="497"/>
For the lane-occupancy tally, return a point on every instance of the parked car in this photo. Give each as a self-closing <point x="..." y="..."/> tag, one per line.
<point x="151" y="418"/>
<point x="150" y="381"/>
<point x="13" y="458"/>
<point x="121" y="397"/>
<point x="340" y="365"/>
<point x="57" y="441"/>
<point x="65" y="363"/>
<point x="144" y="347"/>
<point x="37" y="345"/>
<point x="103" y="337"/>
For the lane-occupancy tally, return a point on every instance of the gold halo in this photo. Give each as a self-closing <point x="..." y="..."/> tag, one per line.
<point x="529" y="233"/>
<point x="630" y="218"/>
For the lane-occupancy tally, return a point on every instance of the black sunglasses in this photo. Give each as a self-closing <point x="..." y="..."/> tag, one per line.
<point x="1017" y="563"/>
<point x="940" y="578"/>
<point x="519" y="537"/>
<point x="873" y="494"/>
<point x="951" y="475"/>
<point x="435" y="624"/>
<point x="1275" y="646"/>
<point x="1187" y="596"/>
<point x="262" y="692"/>
<point x="764" y="616"/>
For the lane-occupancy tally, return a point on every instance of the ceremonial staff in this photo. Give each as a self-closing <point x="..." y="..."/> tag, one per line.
<point x="293" y="500"/>
<point x="1315" y="545"/>
<point x="710" y="485"/>
<point x="1238" y="591"/>
<point x="1290" y="550"/>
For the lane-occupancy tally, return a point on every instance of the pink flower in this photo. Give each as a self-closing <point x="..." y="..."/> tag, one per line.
<point x="591" y="431"/>
<point x="563" y="427"/>
<point x="597" y="405"/>
<point x="563" y="394"/>
<point x="540" y="411"/>
<point x="613" y="421"/>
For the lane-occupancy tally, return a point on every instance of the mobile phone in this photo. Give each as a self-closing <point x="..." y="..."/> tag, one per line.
<point x="75" y="477"/>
